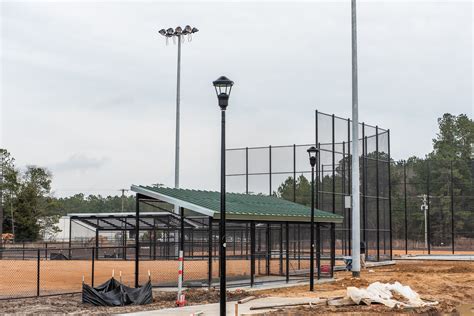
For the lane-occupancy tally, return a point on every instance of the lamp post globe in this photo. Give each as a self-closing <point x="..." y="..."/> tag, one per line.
<point x="223" y="86"/>
<point x="312" y="152"/>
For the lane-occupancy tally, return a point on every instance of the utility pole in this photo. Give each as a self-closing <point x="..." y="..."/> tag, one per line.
<point x="355" y="151"/>
<point x="123" y="197"/>
<point x="424" y="209"/>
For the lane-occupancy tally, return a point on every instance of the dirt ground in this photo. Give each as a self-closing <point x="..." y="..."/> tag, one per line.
<point x="72" y="303"/>
<point x="450" y="283"/>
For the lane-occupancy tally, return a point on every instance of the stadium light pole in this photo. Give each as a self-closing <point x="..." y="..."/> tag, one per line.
<point x="178" y="33"/>
<point x="355" y="150"/>
<point x="223" y="86"/>
<point x="312" y="152"/>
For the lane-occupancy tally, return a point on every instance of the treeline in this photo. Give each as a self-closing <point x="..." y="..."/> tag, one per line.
<point x="445" y="174"/>
<point x="80" y="203"/>
<point x="29" y="209"/>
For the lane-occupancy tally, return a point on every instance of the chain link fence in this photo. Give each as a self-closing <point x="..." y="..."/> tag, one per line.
<point x="448" y="190"/>
<point x="284" y="171"/>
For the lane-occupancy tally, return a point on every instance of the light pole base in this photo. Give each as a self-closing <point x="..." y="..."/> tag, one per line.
<point x="356" y="274"/>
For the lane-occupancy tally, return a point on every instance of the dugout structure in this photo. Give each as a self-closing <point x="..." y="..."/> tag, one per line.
<point x="284" y="171"/>
<point x="267" y="237"/>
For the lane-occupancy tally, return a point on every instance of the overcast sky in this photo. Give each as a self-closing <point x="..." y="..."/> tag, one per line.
<point x="88" y="88"/>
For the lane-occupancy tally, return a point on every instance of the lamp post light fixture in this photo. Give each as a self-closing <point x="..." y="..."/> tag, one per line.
<point x="313" y="153"/>
<point x="178" y="33"/>
<point x="223" y="87"/>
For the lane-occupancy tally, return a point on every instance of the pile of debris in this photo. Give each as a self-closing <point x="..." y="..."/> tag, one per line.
<point x="392" y="295"/>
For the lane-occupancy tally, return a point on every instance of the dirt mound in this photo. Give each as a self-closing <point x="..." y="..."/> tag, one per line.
<point x="357" y="282"/>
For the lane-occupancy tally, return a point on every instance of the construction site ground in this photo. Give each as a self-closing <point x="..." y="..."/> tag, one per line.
<point x="449" y="283"/>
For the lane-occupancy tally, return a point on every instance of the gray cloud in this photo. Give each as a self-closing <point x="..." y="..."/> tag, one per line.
<point x="96" y="78"/>
<point x="78" y="163"/>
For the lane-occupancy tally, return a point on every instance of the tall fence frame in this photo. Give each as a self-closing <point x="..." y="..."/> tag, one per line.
<point x="449" y="189"/>
<point x="272" y="170"/>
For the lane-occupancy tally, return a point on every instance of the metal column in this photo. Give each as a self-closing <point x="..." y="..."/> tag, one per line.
<point x="294" y="173"/>
<point x="210" y="253"/>
<point x="428" y="212"/>
<point x="318" y="249"/>
<point x="452" y="208"/>
<point x="137" y="238"/>
<point x="252" y="253"/>
<point x="181" y="231"/>
<point x="246" y="170"/>
<point x="377" y="200"/>
<point x="390" y="193"/>
<point x="405" y="205"/>
<point x="270" y="169"/>
<point x="287" y="252"/>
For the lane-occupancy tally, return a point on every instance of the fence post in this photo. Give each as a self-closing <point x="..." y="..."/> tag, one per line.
<point x="318" y="249"/>
<point x="333" y="248"/>
<point x="452" y="208"/>
<point x="287" y="251"/>
<point x="246" y="170"/>
<point x="270" y="169"/>
<point x="69" y="244"/>
<point x="390" y="194"/>
<point x="209" y="277"/>
<point x="38" y="273"/>
<point x="252" y="253"/>
<point x="299" y="246"/>
<point x="269" y="247"/>
<point x="93" y="266"/>
<point x="364" y="181"/>
<point x="405" y="205"/>
<point x="428" y="211"/>
<point x="281" y="249"/>
<point x="294" y="173"/>
<point x="377" y="200"/>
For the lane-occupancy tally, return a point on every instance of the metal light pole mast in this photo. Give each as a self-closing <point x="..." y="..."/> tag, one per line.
<point x="178" y="33"/>
<point x="355" y="151"/>
<point x="223" y="88"/>
<point x="178" y="92"/>
<point x="312" y="151"/>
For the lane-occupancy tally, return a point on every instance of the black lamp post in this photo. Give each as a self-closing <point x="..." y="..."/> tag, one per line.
<point x="223" y="87"/>
<point x="312" y="152"/>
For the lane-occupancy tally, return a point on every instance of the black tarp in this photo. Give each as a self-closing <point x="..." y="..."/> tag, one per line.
<point x="114" y="293"/>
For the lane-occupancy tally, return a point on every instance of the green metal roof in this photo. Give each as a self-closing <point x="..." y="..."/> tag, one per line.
<point x="238" y="206"/>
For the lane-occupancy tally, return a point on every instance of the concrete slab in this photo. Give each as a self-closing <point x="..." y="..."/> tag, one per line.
<point x="438" y="257"/>
<point x="243" y="309"/>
